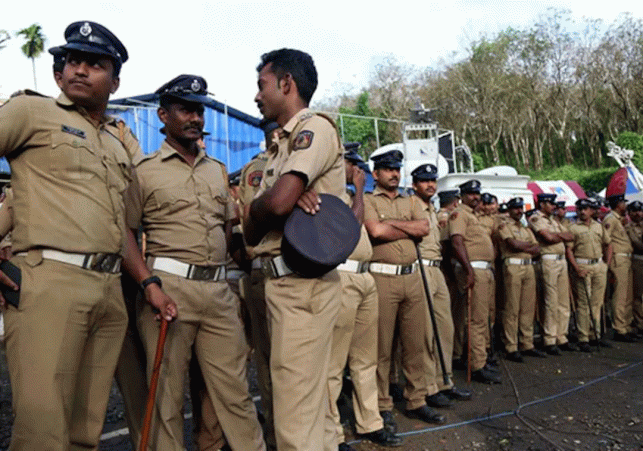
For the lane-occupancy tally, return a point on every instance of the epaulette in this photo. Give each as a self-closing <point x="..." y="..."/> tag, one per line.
<point x="147" y="157"/>
<point x="28" y="92"/>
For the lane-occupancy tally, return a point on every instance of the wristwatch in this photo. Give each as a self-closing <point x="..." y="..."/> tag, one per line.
<point x="151" y="279"/>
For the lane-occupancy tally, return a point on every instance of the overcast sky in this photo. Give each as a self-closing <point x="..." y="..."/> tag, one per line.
<point x="222" y="40"/>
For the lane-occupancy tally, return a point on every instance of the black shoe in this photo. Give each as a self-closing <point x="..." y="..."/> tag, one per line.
<point x="569" y="347"/>
<point x="389" y="423"/>
<point x="584" y="346"/>
<point x="533" y="352"/>
<point x="382" y="437"/>
<point x="624" y="338"/>
<point x="457" y="394"/>
<point x="438" y="400"/>
<point x="396" y="392"/>
<point x="491" y="369"/>
<point x="514" y="357"/>
<point x="492" y="361"/>
<point x="602" y="343"/>
<point x="345" y="447"/>
<point x="426" y="414"/>
<point x="552" y="350"/>
<point x="485" y="376"/>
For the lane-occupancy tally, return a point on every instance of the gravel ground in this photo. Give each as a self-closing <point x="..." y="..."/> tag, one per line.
<point x="574" y="402"/>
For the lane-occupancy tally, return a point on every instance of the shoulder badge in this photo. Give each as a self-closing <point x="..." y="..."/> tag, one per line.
<point x="607" y="226"/>
<point x="254" y="178"/>
<point x="501" y="226"/>
<point x="453" y="216"/>
<point x="533" y="218"/>
<point x="303" y="140"/>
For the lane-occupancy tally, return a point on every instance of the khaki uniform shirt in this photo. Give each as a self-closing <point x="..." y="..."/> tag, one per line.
<point x="588" y="239"/>
<point x="634" y="231"/>
<point x="477" y="240"/>
<point x="616" y="230"/>
<point x="182" y="208"/>
<point x="309" y="145"/>
<point x="363" y="252"/>
<point x="538" y="221"/>
<point x="68" y="176"/>
<point x="443" y="223"/>
<point x="6" y="218"/>
<point x="251" y="176"/>
<point x="379" y="207"/>
<point x="430" y="247"/>
<point x="517" y="231"/>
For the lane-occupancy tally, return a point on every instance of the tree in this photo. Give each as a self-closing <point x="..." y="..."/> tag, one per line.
<point x="4" y="37"/>
<point x="34" y="45"/>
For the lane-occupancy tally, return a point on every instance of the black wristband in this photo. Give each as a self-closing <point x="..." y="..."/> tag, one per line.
<point x="151" y="279"/>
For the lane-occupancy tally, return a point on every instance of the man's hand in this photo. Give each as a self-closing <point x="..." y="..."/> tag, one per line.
<point x="5" y="280"/>
<point x="470" y="280"/>
<point x="309" y="201"/>
<point x="359" y="178"/>
<point x="582" y="273"/>
<point x="155" y="296"/>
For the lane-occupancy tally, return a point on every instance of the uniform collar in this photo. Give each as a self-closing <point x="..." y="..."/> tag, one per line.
<point x="427" y="206"/>
<point x="467" y="208"/>
<point x="167" y="151"/>
<point x="380" y="192"/>
<point x="615" y="213"/>
<point x="301" y="114"/>
<point x="67" y="103"/>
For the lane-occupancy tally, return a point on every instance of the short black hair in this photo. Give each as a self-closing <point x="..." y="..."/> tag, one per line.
<point x="298" y="64"/>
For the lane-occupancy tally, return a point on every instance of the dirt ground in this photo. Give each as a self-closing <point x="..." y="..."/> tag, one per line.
<point x="573" y="402"/>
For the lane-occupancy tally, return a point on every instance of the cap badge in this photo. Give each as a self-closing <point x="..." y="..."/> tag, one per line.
<point x="196" y="86"/>
<point x="86" y="29"/>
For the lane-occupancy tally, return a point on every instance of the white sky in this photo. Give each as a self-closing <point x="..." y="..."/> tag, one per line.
<point x="222" y="40"/>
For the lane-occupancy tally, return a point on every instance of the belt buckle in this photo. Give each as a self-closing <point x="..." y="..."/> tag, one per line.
<point x="363" y="267"/>
<point x="204" y="272"/>
<point x="102" y="262"/>
<point x="404" y="270"/>
<point x="267" y="268"/>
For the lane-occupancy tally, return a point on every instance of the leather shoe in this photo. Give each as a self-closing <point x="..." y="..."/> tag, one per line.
<point x="345" y="447"/>
<point x="438" y="400"/>
<point x="426" y="414"/>
<point x="457" y="394"/>
<point x="382" y="437"/>
<point x="583" y="346"/>
<point x="569" y="347"/>
<point x="389" y="423"/>
<point x="514" y="357"/>
<point x="492" y="361"/>
<point x="491" y="369"/>
<point x="533" y="352"/>
<point x="602" y="343"/>
<point x="552" y="350"/>
<point x="485" y="376"/>
<point x="624" y="338"/>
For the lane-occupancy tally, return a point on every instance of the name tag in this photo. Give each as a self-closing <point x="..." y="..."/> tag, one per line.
<point x="73" y="131"/>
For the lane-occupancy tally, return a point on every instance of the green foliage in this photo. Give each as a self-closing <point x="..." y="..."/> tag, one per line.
<point x="360" y="130"/>
<point x="478" y="161"/>
<point x="35" y="41"/>
<point x="632" y="141"/>
<point x="589" y="179"/>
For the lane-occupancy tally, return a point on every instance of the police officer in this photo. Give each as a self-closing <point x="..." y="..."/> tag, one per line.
<point x="588" y="254"/>
<point x="306" y="160"/>
<point x="181" y="198"/>
<point x="560" y="214"/>
<point x="635" y="232"/>
<point x="518" y="247"/>
<point x="621" y="268"/>
<point x="439" y="393"/>
<point x="69" y="172"/>
<point x="394" y="223"/>
<point x="355" y="333"/>
<point x="552" y="238"/>
<point x="253" y="284"/>
<point x="474" y="251"/>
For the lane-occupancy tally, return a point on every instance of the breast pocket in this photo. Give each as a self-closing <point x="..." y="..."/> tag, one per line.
<point x="72" y="157"/>
<point x="171" y="200"/>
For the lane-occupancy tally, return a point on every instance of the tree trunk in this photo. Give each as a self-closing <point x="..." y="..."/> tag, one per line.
<point x="33" y="68"/>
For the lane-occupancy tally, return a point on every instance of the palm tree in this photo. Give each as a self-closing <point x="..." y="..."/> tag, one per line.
<point x="34" y="46"/>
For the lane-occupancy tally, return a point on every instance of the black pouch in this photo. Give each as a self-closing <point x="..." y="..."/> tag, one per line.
<point x="13" y="272"/>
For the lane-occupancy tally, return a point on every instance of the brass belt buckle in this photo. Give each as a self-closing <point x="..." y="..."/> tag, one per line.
<point x="404" y="270"/>
<point x="102" y="262"/>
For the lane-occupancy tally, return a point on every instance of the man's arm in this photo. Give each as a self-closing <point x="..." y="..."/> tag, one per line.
<point x="608" y="253"/>
<point x="358" y="199"/>
<point x="522" y="246"/>
<point x="271" y="209"/>
<point x="582" y="273"/>
<point x="457" y="242"/>
<point x="133" y="263"/>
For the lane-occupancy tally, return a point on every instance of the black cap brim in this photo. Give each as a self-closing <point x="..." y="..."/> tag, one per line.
<point x="192" y="98"/>
<point x="78" y="47"/>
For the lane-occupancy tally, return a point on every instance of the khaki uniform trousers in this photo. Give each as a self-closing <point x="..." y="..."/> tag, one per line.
<point x="130" y="369"/>
<point x="301" y="314"/>
<point x="593" y="285"/>
<point x="403" y="303"/>
<point x="459" y="315"/>
<point x="62" y="346"/>
<point x="355" y="340"/>
<point x="253" y="289"/>
<point x="208" y="317"/>
<point x="556" y="301"/>
<point x="442" y="309"/>
<point x="637" y="301"/>
<point x="519" y="308"/>
<point x="482" y="297"/>
<point x="621" y="267"/>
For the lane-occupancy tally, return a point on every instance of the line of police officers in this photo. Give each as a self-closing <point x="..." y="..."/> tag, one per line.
<point x="82" y="192"/>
